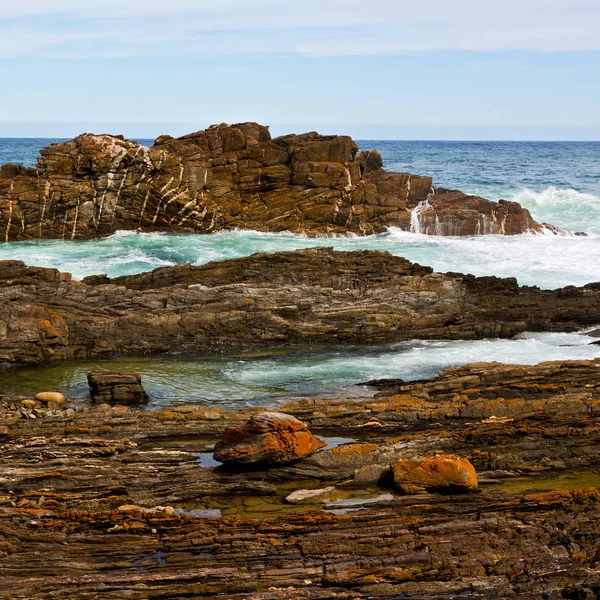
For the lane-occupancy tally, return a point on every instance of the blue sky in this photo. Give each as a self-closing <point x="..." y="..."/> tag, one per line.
<point x="433" y="69"/>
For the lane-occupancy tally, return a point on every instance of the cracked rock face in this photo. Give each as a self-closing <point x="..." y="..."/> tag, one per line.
<point x="113" y="498"/>
<point x="232" y="176"/>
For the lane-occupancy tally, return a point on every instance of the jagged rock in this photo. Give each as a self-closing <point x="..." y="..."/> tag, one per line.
<point x="115" y="387"/>
<point x="48" y="397"/>
<point x="437" y="472"/>
<point x="311" y="295"/>
<point x="232" y="176"/>
<point x="267" y="438"/>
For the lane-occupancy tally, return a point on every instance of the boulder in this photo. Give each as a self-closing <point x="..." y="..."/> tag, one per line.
<point x="268" y="438"/>
<point x="48" y="397"/>
<point x="435" y="473"/>
<point x="114" y="387"/>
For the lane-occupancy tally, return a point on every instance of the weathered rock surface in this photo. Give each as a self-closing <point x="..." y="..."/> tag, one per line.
<point x="268" y="438"/>
<point x="314" y="295"/>
<point x="115" y="387"/>
<point x="232" y="177"/>
<point x="451" y="212"/>
<point x="414" y="476"/>
<point x="116" y="503"/>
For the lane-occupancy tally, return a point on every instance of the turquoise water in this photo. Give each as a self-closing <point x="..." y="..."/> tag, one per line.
<point x="269" y="379"/>
<point x="558" y="182"/>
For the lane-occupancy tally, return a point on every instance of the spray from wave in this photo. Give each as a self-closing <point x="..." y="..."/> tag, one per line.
<point x="563" y="207"/>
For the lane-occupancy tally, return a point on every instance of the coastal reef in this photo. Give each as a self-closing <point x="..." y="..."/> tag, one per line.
<point x="311" y="295"/>
<point x="234" y="177"/>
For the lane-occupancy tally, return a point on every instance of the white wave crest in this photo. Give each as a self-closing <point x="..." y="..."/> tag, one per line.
<point x="553" y="195"/>
<point x="563" y="207"/>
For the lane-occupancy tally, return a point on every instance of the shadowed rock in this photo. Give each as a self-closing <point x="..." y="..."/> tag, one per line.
<point x="233" y="176"/>
<point x="115" y="387"/>
<point x="312" y="295"/>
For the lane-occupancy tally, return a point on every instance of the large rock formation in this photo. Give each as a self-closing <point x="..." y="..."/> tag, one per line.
<point x="232" y="177"/>
<point x="314" y="295"/>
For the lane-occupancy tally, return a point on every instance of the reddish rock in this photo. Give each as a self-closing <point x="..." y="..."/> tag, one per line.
<point x="269" y="438"/>
<point x="445" y="471"/>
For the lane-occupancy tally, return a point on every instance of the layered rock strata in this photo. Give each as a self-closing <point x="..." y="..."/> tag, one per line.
<point x="115" y="387"/>
<point x="233" y="177"/>
<point x="315" y="295"/>
<point x="153" y="523"/>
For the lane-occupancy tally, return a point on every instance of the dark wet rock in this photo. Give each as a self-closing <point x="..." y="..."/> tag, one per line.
<point x="232" y="176"/>
<point x="115" y="387"/>
<point x="313" y="295"/>
<point x="268" y="438"/>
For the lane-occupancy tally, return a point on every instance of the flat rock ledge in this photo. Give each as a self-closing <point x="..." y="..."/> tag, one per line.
<point x="116" y="502"/>
<point x="234" y="177"/>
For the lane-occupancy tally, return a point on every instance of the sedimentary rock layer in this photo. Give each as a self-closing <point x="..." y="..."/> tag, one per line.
<point x="232" y="177"/>
<point x="315" y="295"/>
<point x="108" y="496"/>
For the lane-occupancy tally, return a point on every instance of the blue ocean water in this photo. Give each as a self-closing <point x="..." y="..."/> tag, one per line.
<point x="559" y="182"/>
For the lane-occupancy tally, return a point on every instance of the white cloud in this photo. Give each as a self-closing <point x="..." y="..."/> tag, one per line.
<point x="99" y="28"/>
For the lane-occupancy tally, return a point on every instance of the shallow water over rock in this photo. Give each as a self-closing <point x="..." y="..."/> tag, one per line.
<point x="270" y="378"/>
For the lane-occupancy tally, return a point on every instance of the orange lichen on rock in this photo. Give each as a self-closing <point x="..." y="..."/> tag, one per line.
<point x="442" y="471"/>
<point x="269" y="437"/>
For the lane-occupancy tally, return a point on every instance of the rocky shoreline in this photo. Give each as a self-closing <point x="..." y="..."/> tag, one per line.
<point x="480" y="482"/>
<point x="315" y="295"/>
<point x="235" y="177"/>
<point x="122" y="502"/>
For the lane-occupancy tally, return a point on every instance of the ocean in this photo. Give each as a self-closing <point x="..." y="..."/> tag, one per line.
<point x="559" y="182"/>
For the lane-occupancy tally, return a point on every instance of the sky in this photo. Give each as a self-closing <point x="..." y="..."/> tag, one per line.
<point x="377" y="69"/>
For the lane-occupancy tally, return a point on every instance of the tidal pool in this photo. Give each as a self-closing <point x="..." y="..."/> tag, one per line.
<point x="275" y="375"/>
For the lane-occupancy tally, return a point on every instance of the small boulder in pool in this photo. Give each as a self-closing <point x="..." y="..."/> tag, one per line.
<point x="113" y="387"/>
<point x="268" y="438"/>
<point x="445" y="471"/>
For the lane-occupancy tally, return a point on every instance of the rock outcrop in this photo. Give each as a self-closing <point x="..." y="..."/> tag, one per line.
<point x="315" y="295"/>
<point x="267" y="438"/>
<point x="232" y="177"/>
<point x="414" y="476"/>
<point x="116" y="387"/>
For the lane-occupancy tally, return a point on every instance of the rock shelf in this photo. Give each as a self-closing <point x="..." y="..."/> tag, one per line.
<point x="115" y="501"/>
